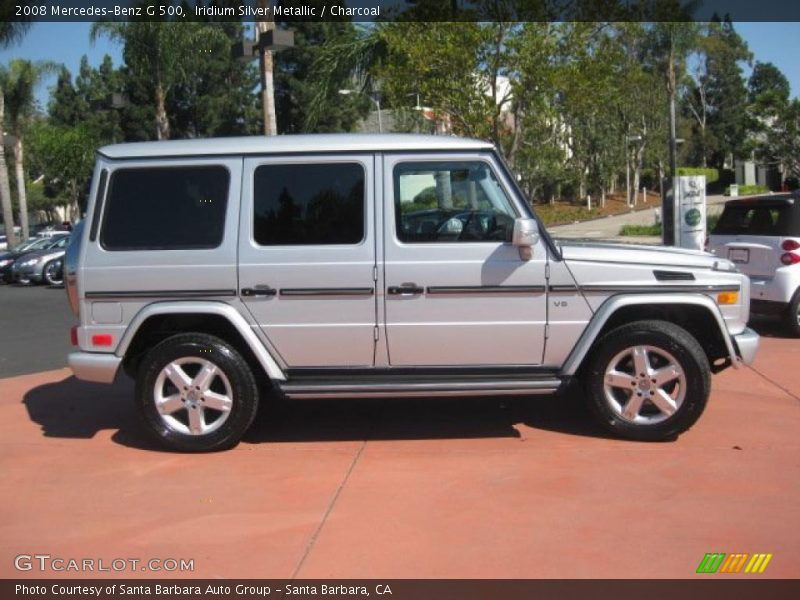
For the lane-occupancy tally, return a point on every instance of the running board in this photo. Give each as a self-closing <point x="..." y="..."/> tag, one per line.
<point x="373" y="389"/>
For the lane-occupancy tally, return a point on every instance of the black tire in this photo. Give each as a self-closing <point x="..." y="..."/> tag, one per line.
<point x="666" y="342"/>
<point x="52" y="273"/>
<point x="792" y="317"/>
<point x="236" y="379"/>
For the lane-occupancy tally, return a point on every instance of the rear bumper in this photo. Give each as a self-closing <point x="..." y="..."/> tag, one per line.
<point x="94" y="366"/>
<point x="746" y="344"/>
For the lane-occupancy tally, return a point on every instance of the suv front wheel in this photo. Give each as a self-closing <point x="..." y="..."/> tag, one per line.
<point x="648" y="380"/>
<point x="196" y="393"/>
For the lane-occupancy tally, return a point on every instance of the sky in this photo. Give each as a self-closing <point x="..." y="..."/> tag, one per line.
<point x="778" y="43"/>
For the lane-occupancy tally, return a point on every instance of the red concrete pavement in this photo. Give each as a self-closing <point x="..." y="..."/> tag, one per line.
<point x="439" y="488"/>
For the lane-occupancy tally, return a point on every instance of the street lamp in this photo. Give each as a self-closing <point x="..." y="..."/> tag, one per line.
<point x="628" y="139"/>
<point x="375" y="99"/>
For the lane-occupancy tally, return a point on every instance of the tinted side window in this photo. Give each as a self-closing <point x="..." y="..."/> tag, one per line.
<point x="166" y="208"/>
<point x="308" y="204"/>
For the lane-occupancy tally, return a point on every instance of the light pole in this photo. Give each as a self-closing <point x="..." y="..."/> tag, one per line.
<point x="628" y="139"/>
<point x="376" y="99"/>
<point x="269" y="41"/>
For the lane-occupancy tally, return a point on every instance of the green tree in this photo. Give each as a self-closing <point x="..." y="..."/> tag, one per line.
<point x="160" y="56"/>
<point x="783" y="140"/>
<point x="216" y="95"/>
<point x="66" y="107"/>
<point x="726" y="93"/>
<point x="768" y="89"/>
<point x="296" y="88"/>
<point x="10" y="31"/>
<point x="65" y="157"/>
<point x="19" y="82"/>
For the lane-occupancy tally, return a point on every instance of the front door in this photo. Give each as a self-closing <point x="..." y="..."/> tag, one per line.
<point x="456" y="291"/>
<point x="307" y="257"/>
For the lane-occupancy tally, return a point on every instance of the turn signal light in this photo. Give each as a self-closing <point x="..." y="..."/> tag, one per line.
<point x="789" y="245"/>
<point x="789" y="258"/>
<point x="102" y="339"/>
<point x="73" y="335"/>
<point x="728" y="298"/>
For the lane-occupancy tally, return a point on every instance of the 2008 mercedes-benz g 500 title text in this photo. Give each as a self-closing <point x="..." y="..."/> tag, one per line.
<point x="218" y="272"/>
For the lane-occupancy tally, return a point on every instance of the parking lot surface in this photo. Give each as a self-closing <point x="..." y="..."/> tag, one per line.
<point x="445" y="488"/>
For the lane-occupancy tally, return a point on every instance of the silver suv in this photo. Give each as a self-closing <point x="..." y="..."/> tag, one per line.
<point x="219" y="273"/>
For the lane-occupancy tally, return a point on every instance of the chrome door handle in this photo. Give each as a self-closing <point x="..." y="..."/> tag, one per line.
<point x="259" y="290"/>
<point x="407" y="289"/>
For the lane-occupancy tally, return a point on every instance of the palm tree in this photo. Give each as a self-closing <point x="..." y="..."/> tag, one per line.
<point x="161" y="52"/>
<point x="19" y="82"/>
<point x="10" y="31"/>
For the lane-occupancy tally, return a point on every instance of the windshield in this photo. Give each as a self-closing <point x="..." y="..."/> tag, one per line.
<point x="36" y="244"/>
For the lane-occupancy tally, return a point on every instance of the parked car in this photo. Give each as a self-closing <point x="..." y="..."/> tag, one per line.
<point x="8" y="258"/>
<point x="44" y="265"/>
<point x="762" y="236"/>
<point x="218" y="273"/>
<point x="3" y="242"/>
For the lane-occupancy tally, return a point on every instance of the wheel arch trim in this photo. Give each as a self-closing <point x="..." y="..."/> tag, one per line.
<point x="615" y="303"/>
<point x="226" y="311"/>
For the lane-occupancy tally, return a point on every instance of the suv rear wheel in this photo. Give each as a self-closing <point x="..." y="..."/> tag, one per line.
<point x="648" y="380"/>
<point x="196" y="393"/>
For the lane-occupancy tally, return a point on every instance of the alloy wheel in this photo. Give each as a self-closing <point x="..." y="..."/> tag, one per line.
<point x="193" y="396"/>
<point x="644" y="385"/>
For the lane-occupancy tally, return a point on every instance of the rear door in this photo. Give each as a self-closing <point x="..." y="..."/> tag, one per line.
<point x="307" y="257"/>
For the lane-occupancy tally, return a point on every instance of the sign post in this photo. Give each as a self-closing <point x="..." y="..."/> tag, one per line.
<point x="690" y="212"/>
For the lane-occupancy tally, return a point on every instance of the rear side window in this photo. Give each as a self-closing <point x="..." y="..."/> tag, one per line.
<point x="172" y="208"/>
<point x="308" y="204"/>
<point x="754" y="220"/>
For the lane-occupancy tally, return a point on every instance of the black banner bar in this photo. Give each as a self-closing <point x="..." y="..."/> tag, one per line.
<point x="407" y="10"/>
<point x="714" y="586"/>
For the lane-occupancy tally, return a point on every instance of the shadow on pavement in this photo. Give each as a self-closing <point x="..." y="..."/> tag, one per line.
<point x="770" y="326"/>
<point x="76" y="409"/>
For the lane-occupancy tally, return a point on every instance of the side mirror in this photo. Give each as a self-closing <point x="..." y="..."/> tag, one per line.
<point x="525" y="236"/>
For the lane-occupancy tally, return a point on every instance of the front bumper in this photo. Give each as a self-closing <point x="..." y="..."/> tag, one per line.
<point x="746" y="344"/>
<point x="94" y="366"/>
<point x="28" y="272"/>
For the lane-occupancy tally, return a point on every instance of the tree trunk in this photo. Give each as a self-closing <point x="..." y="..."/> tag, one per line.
<point x="5" y="188"/>
<point x="162" y="121"/>
<point x="267" y="80"/>
<point x="22" y="193"/>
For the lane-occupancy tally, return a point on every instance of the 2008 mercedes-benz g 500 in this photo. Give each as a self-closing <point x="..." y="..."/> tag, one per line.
<point x="217" y="272"/>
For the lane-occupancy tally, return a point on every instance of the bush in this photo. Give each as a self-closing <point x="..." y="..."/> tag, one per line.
<point x="747" y="190"/>
<point x="712" y="175"/>
<point x="640" y="230"/>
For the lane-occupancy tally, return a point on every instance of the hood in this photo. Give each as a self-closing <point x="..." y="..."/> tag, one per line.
<point x="635" y="254"/>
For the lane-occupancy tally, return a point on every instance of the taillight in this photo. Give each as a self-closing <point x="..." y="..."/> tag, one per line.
<point x="789" y="245"/>
<point x="790" y="258"/>
<point x="73" y="335"/>
<point x="102" y="339"/>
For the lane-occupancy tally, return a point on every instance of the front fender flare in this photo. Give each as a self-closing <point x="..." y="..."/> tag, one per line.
<point x="614" y="303"/>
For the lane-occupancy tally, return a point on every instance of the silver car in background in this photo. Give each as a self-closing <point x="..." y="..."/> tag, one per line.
<point x="45" y="265"/>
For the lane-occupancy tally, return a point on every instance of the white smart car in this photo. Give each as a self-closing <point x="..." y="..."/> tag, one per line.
<point x="762" y="236"/>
